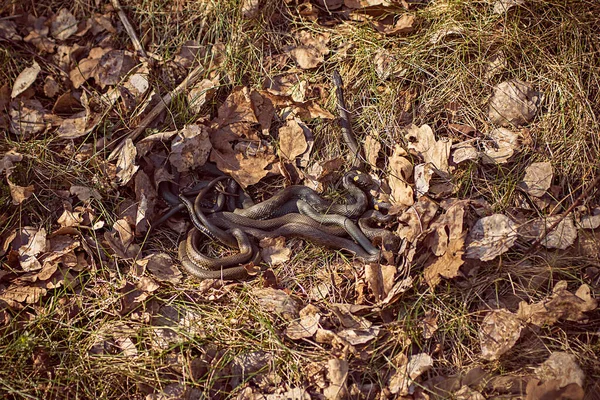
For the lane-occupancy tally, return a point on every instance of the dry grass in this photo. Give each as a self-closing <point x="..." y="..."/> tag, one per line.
<point x="48" y="350"/>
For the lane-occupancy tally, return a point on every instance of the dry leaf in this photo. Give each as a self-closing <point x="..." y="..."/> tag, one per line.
<point x="245" y="169"/>
<point x="28" y="118"/>
<point x="277" y="301"/>
<point x="446" y="266"/>
<point x="190" y="148"/>
<point x="87" y="67"/>
<point x="113" y="66"/>
<point x="312" y="50"/>
<point x="359" y="336"/>
<point x="430" y="325"/>
<point x="415" y="220"/>
<point x="400" y="171"/>
<point x="126" y="167"/>
<point x="292" y="141"/>
<point x="514" y="102"/>
<point x="250" y="8"/>
<point x="563" y="368"/>
<point x="372" y="147"/>
<point x="490" y="237"/>
<point x="84" y="193"/>
<point x="51" y="87"/>
<point x="498" y="333"/>
<point x="563" y="236"/>
<point x="146" y="197"/>
<point x="137" y="83"/>
<point x="273" y="250"/>
<point x="537" y="180"/>
<point x="550" y="390"/>
<point x="404" y="24"/>
<point x="464" y="151"/>
<point x="22" y="294"/>
<point x="502" y="146"/>
<point x="287" y="85"/>
<point x="25" y="79"/>
<point x="446" y="33"/>
<point x="8" y="30"/>
<point x="161" y="267"/>
<point x="147" y="284"/>
<point x="562" y="304"/>
<point x="337" y="374"/>
<point x="423" y="174"/>
<point x="238" y="107"/>
<point x="200" y="93"/>
<point x="306" y="326"/>
<point x="380" y="279"/>
<point x="422" y="140"/>
<point x="502" y="6"/>
<point x="586" y="222"/>
<point x="35" y="243"/>
<point x="64" y="24"/>
<point x="19" y="193"/>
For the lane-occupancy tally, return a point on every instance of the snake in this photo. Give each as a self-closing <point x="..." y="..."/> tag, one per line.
<point x="296" y="211"/>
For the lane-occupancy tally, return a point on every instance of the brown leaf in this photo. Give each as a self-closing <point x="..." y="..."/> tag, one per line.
<point x="274" y="251"/>
<point x="51" y="87"/>
<point x="28" y="118"/>
<point x="147" y="284"/>
<point x="380" y="279"/>
<point x="490" y="237"/>
<point x="246" y="169"/>
<point x="292" y="141"/>
<point x="126" y="166"/>
<point x="64" y="24"/>
<point x="34" y="243"/>
<point x="538" y="178"/>
<point x="446" y="266"/>
<point x="337" y="374"/>
<point x="19" y="193"/>
<point x="422" y="140"/>
<point x="430" y="325"/>
<point x="359" y="336"/>
<point x="190" y="148"/>
<point x="87" y="67"/>
<point x="306" y="326"/>
<point x="551" y="390"/>
<point x="84" y="193"/>
<point x="501" y="146"/>
<point x="113" y="66"/>
<point x="312" y="50"/>
<point x="287" y="85"/>
<point x="25" y="79"/>
<point x="23" y="294"/>
<point x="563" y="236"/>
<point x="404" y="24"/>
<point x="400" y="171"/>
<point x="415" y="220"/>
<point x="70" y="218"/>
<point x="277" y="301"/>
<point x="563" y="368"/>
<point x="8" y="30"/>
<point x="200" y="93"/>
<point x="146" y="197"/>
<point x="162" y="267"/>
<point x="372" y="147"/>
<point x="498" y="333"/>
<point x="514" y="102"/>
<point x="250" y="8"/>
<point x="236" y="108"/>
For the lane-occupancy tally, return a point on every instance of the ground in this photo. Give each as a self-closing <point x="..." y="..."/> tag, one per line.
<point x="479" y="121"/>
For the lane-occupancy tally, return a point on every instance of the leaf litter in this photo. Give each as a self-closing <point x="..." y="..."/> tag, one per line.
<point x="252" y="134"/>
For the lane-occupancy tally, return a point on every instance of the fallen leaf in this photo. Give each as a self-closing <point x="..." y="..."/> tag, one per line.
<point x="562" y="304"/>
<point x="490" y="237"/>
<point x="147" y="284"/>
<point x="246" y="169"/>
<point x="400" y="171"/>
<point x="237" y="107"/>
<point x="8" y="30"/>
<point x="274" y="251"/>
<point x="63" y="25"/>
<point x="250" y="8"/>
<point x="586" y="221"/>
<point x="161" y="266"/>
<point x="287" y="85"/>
<point x="380" y="279"/>
<point x="498" y="333"/>
<point x="87" y="67"/>
<point x="306" y="326"/>
<point x="422" y="140"/>
<point x="446" y="266"/>
<point x="74" y="126"/>
<point x="464" y="151"/>
<point x="292" y="141"/>
<point x="359" y="336"/>
<point x="430" y="324"/>
<point x="146" y="198"/>
<point x="200" y="93"/>
<point x="69" y="218"/>
<point x="501" y="147"/>
<point x="502" y="6"/>
<point x="126" y="166"/>
<point x="25" y="79"/>
<point x="34" y="243"/>
<point x="312" y="50"/>
<point x="51" y="87"/>
<point x="402" y="25"/>
<point x="446" y="33"/>
<point x="466" y="393"/>
<point x="538" y="178"/>
<point x="19" y="193"/>
<point x="22" y="294"/>
<point x="423" y="174"/>
<point x="550" y="390"/>
<point x="563" y="368"/>
<point x="372" y="147"/>
<point x="277" y="301"/>
<point x="415" y="220"/>
<point x="563" y="236"/>
<point x="190" y="148"/>
<point x="337" y="372"/>
<point x="514" y="102"/>
<point x="113" y="66"/>
<point x="28" y="118"/>
<point x="497" y="65"/>
<point x="84" y="193"/>
<point x="398" y="383"/>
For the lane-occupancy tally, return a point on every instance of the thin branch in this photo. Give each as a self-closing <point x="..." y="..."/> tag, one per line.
<point x="137" y="45"/>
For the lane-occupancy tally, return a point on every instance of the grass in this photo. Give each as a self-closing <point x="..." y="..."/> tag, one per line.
<point x="195" y="338"/>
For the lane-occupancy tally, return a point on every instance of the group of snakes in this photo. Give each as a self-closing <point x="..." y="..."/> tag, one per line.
<point x="233" y="220"/>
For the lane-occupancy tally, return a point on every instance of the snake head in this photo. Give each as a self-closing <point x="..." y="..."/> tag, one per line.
<point x="359" y="178"/>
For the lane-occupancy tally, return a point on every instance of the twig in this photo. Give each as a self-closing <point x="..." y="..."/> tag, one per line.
<point x="576" y="203"/>
<point x="137" y="45"/>
<point x="165" y="101"/>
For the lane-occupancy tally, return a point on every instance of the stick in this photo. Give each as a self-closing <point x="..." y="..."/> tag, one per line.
<point x="576" y="203"/>
<point x="137" y="45"/>
<point x="165" y="101"/>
